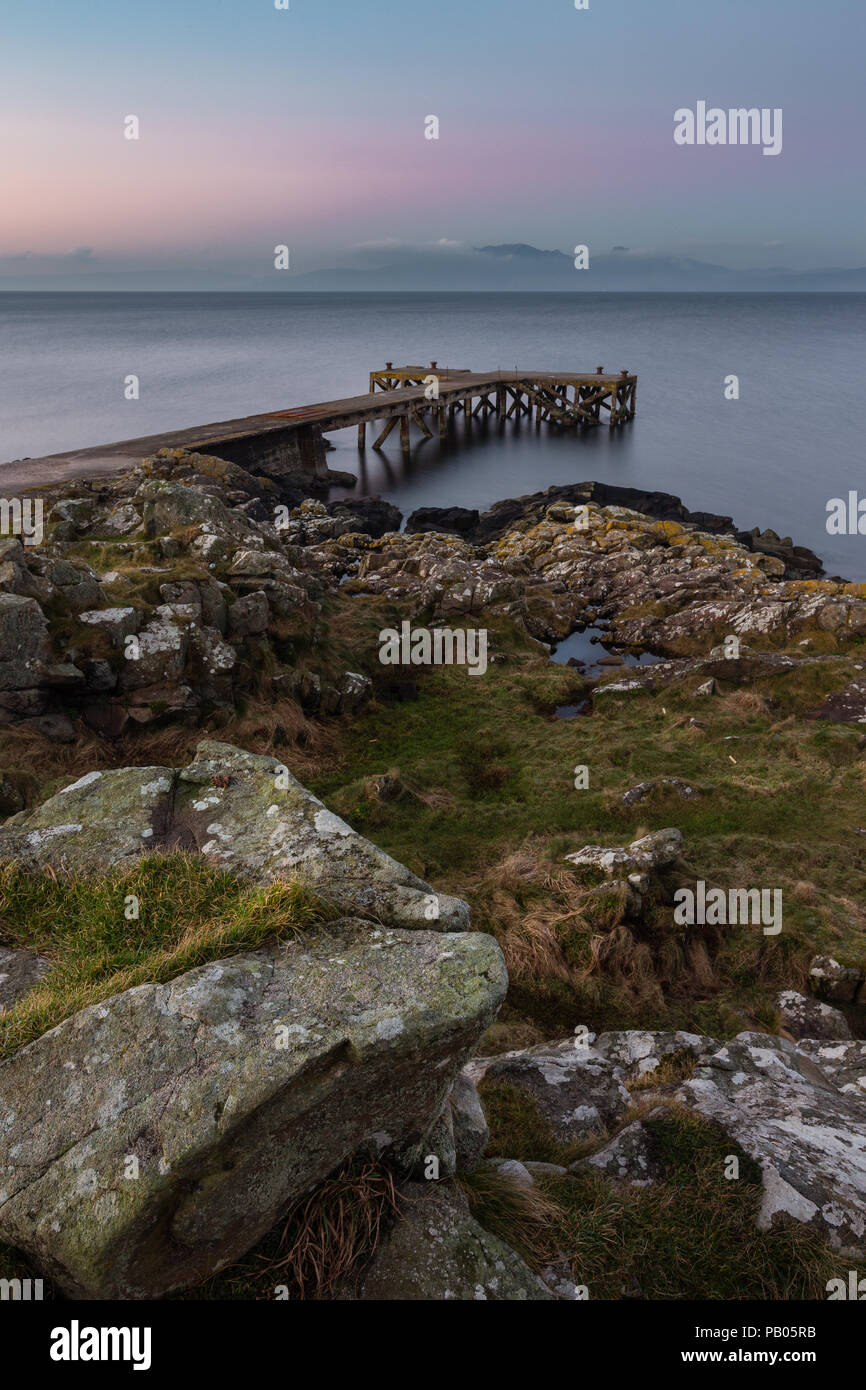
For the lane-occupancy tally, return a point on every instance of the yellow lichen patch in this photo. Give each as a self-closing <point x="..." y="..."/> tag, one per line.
<point x="811" y="586"/>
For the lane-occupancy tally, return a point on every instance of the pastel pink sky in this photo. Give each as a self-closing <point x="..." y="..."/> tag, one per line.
<point x="306" y="127"/>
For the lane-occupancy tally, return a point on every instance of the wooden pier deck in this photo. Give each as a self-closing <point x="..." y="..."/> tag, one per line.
<point x="285" y="441"/>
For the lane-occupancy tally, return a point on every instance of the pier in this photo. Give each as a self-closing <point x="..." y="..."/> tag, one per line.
<point x="286" y="443"/>
<point x="421" y="395"/>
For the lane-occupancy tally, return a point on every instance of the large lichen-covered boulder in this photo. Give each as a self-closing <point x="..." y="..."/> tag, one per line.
<point x="804" y="1124"/>
<point x="100" y="821"/>
<point x="151" y="1139"/>
<point x="265" y="825"/>
<point x="169" y="507"/>
<point x="437" y="1251"/>
<point x="579" y="1086"/>
<point x="243" y="811"/>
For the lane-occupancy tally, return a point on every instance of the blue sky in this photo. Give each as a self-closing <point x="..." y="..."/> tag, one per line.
<point x="306" y="127"/>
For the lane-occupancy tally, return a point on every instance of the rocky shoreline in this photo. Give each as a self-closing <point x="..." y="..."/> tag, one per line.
<point x="419" y="1051"/>
<point x="164" y="595"/>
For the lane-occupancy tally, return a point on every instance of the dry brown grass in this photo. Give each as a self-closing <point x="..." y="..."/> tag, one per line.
<point x="265" y="726"/>
<point x="330" y="1234"/>
<point x="526" y="907"/>
<point x="524" y="1217"/>
<point x="746" y="702"/>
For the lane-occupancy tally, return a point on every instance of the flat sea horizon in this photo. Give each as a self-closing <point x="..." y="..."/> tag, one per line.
<point x="772" y="458"/>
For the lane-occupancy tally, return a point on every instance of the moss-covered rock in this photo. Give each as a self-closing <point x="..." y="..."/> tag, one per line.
<point x="151" y="1139"/>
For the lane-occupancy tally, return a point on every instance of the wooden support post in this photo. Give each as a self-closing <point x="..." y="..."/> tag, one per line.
<point x="443" y="420"/>
<point x="386" y="431"/>
<point x="362" y="435"/>
<point x="404" y="433"/>
<point x="422" y="424"/>
<point x="500" y="401"/>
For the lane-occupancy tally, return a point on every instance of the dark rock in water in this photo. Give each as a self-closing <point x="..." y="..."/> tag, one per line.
<point x="375" y="517"/>
<point x="457" y="521"/>
<point x="504" y="515"/>
<point x="338" y="477"/>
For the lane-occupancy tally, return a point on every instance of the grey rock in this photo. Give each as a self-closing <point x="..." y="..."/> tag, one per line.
<point x="830" y="980"/>
<point x="642" y="790"/>
<point x="438" y="1252"/>
<point x="237" y="1087"/>
<point x="653" y="851"/>
<point x="576" y="1089"/>
<point x="24" y="645"/>
<point x="807" y="1134"/>
<point x="169" y="507"/>
<point x="120" y="521"/>
<point x="163" y="646"/>
<point x="809" y="1018"/>
<point x="355" y="690"/>
<point x="118" y="623"/>
<point x="545" y="1170"/>
<point x="843" y="1063"/>
<point x="57" y="727"/>
<point x="438" y="1144"/>
<point x="246" y="813"/>
<point x="512" y="1169"/>
<point x="469" y="1125"/>
<point x="248" y="616"/>
<point x="265" y="825"/>
<point x="628" y="1157"/>
<point x="20" y="971"/>
<point x="638" y="1053"/>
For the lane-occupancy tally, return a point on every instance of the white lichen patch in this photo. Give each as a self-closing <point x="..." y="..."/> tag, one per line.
<point x="86" y="781"/>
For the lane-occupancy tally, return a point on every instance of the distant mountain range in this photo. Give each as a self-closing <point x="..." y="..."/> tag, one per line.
<point x="521" y="267"/>
<point x="515" y="267"/>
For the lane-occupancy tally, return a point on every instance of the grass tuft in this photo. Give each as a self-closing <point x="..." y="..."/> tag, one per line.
<point x="189" y="913"/>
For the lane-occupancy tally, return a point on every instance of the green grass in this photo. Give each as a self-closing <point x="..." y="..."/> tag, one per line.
<point x="518" y="1129"/>
<point x="692" y="1235"/>
<point x="490" y="813"/>
<point x="189" y="913"/>
<point x="781" y="799"/>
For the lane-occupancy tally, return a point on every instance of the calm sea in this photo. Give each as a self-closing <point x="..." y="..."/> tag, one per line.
<point x="774" y="457"/>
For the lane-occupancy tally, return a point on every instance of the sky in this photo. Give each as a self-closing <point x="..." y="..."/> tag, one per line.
<point x="305" y="127"/>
